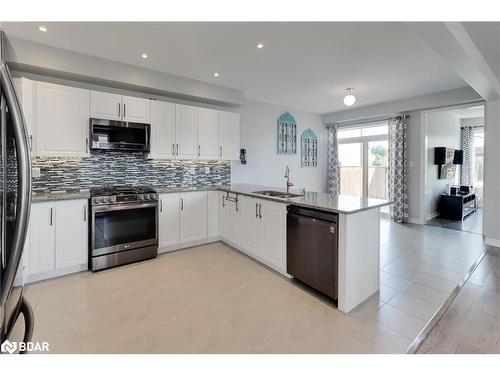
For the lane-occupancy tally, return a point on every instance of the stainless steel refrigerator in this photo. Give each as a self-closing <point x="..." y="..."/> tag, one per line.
<point x="15" y="204"/>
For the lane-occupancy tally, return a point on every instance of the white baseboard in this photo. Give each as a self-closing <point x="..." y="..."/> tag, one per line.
<point x="185" y="245"/>
<point x="492" y="241"/>
<point x="414" y="220"/>
<point x="432" y="216"/>
<point x="33" y="278"/>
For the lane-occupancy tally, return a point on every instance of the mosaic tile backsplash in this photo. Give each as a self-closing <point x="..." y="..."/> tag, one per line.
<point x="124" y="168"/>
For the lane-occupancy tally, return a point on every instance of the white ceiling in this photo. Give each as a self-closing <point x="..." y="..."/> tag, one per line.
<point x="302" y="65"/>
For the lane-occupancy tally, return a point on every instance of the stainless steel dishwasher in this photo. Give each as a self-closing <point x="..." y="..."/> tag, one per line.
<point x="312" y="248"/>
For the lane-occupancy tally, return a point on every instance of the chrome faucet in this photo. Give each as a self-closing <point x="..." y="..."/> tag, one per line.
<point x="288" y="183"/>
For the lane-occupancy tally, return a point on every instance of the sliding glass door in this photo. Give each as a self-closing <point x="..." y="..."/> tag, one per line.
<point x="363" y="157"/>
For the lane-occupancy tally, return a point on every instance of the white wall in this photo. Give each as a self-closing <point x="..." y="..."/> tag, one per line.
<point x="442" y="129"/>
<point x="491" y="216"/>
<point x="264" y="166"/>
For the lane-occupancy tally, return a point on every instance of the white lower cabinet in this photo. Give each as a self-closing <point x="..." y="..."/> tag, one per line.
<point x="213" y="214"/>
<point x="58" y="238"/>
<point x="43" y="239"/>
<point x="250" y="225"/>
<point x="262" y="231"/>
<point x="168" y="223"/>
<point x="183" y="218"/>
<point x="230" y="218"/>
<point x="71" y="224"/>
<point x="193" y="216"/>
<point x="272" y="234"/>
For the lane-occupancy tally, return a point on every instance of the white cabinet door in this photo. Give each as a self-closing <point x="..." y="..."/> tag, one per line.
<point x="62" y="120"/>
<point x="213" y="214"/>
<point x="168" y="226"/>
<point x="71" y="223"/>
<point x="185" y="130"/>
<point x="230" y="221"/>
<point x="193" y="216"/>
<point x="249" y="240"/>
<point x="273" y="233"/>
<point x="229" y="135"/>
<point x="208" y="134"/>
<point x="162" y="130"/>
<point x="42" y="225"/>
<point x="105" y="105"/>
<point x="136" y="109"/>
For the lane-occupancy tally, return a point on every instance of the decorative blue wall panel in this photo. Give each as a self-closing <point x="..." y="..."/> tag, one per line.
<point x="287" y="134"/>
<point x="309" y="152"/>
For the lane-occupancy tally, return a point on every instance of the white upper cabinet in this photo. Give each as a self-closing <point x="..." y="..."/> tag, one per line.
<point x="163" y="140"/>
<point x="229" y="134"/>
<point x="193" y="216"/>
<point x="25" y="90"/>
<point x="185" y="129"/>
<point x="71" y="233"/>
<point x="105" y="105"/>
<point x="62" y="120"/>
<point x="208" y="134"/>
<point x="136" y="109"/>
<point x="110" y="106"/>
<point x="168" y="223"/>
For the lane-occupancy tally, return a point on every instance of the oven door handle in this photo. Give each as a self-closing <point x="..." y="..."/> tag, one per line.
<point x="123" y="207"/>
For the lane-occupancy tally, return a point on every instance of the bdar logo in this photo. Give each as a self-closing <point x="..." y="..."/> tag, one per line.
<point x="8" y="347"/>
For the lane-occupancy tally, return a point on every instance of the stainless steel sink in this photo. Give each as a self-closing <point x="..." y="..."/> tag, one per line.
<point x="276" y="194"/>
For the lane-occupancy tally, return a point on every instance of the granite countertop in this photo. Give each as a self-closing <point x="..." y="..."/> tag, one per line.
<point x="342" y="204"/>
<point x="323" y="201"/>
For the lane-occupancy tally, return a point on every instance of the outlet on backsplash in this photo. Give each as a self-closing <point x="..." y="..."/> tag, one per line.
<point x="35" y="172"/>
<point x="192" y="170"/>
<point x="207" y="169"/>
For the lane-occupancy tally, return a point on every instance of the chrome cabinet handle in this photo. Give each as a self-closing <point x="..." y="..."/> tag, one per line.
<point x="177" y="149"/>
<point x="182" y="204"/>
<point x="223" y="204"/>
<point x="256" y="210"/>
<point x="31" y="142"/>
<point x="124" y="110"/>
<point x="161" y="205"/>
<point x="119" y="110"/>
<point x="51" y="215"/>
<point x="84" y="213"/>
<point x="86" y="145"/>
<point x="260" y="211"/>
<point x="173" y="149"/>
<point x="199" y="150"/>
<point x="220" y="151"/>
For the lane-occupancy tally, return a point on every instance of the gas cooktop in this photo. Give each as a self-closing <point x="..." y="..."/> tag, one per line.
<point x="122" y="194"/>
<point x="122" y="190"/>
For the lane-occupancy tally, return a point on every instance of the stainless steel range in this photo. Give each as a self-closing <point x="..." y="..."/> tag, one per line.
<point x="123" y="226"/>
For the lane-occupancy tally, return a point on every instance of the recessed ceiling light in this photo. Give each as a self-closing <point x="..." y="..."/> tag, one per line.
<point x="216" y="74"/>
<point x="260" y="45"/>
<point x="42" y="28"/>
<point x="144" y="56"/>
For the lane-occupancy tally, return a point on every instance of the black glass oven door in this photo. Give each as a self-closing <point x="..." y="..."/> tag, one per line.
<point x="118" y="230"/>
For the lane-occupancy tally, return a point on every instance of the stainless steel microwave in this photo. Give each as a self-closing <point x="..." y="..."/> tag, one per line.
<point x="119" y="135"/>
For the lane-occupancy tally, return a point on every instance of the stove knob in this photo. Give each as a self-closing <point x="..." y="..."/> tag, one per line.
<point x="140" y="197"/>
<point x="110" y="199"/>
<point x="146" y="197"/>
<point x="103" y="200"/>
<point x="151" y="196"/>
<point x="96" y="200"/>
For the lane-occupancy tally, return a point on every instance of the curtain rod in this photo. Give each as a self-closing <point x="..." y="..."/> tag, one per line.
<point x="354" y="123"/>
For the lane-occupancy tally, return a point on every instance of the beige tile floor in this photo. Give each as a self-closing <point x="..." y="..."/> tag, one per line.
<point x="212" y="299"/>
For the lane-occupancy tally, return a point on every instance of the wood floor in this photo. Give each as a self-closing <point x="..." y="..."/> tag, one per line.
<point x="472" y="322"/>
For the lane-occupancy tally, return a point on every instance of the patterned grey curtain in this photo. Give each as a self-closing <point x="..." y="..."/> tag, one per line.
<point x="398" y="183"/>
<point x="467" y="144"/>
<point x="333" y="161"/>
